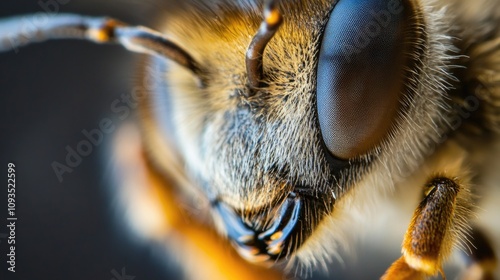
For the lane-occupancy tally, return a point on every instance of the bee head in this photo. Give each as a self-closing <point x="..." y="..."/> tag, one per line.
<point x="289" y="111"/>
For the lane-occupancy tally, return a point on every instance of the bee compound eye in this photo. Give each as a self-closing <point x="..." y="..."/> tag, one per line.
<point x="360" y="74"/>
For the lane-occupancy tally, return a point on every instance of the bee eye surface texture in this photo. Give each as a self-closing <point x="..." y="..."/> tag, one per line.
<point x="360" y="74"/>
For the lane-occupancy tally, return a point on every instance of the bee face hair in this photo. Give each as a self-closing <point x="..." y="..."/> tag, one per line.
<point x="251" y="151"/>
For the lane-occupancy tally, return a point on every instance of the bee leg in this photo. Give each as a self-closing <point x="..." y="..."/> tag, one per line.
<point x="438" y="223"/>
<point x="481" y="259"/>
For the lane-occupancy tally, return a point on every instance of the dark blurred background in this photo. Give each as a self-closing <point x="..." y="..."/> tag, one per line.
<point x="50" y="92"/>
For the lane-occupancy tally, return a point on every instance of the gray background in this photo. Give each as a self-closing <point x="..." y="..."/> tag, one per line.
<point x="49" y="93"/>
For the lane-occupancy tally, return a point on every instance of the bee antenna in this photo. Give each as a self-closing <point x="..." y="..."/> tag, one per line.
<point x="14" y="34"/>
<point x="144" y="40"/>
<point x="255" y="52"/>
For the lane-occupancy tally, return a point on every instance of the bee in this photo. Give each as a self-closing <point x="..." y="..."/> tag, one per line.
<point x="268" y="133"/>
